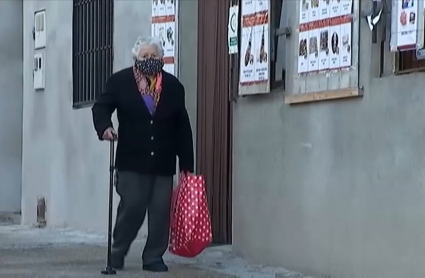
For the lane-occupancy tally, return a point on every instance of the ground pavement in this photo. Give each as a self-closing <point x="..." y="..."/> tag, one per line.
<point x="28" y="252"/>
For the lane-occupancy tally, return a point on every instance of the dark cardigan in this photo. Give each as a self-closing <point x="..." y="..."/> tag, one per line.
<point x="147" y="144"/>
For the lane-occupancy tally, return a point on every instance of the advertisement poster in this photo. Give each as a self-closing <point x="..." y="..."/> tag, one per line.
<point x="314" y="11"/>
<point x="334" y="8"/>
<point x="304" y="5"/>
<point x="323" y="9"/>
<point x="407" y="26"/>
<point x="302" y="50"/>
<point x="313" y="47"/>
<point x="345" y="55"/>
<point x="254" y="67"/>
<point x="346" y="7"/>
<point x="324" y="45"/>
<point x="164" y="28"/>
<point x="325" y="35"/>
<point x="334" y="43"/>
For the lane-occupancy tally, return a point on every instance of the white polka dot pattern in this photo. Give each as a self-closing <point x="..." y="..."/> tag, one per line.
<point x="190" y="218"/>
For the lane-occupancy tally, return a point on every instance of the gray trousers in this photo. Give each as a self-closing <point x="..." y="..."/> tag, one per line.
<point x="140" y="193"/>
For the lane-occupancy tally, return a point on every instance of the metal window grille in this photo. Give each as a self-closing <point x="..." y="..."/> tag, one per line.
<point x="92" y="48"/>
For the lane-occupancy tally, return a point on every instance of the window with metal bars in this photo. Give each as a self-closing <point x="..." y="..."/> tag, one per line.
<point x="92" y="48"/>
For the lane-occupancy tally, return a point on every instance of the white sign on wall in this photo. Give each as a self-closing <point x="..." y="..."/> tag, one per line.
<point x="255" y="41"/>
<point x="164" y="27"/>
<point x="232" y="33"/>
<point x="325" y="36"/>
<point x="407" y="23"/>
<point x="40" y="29"/>
<point x="405" y="19"/>
<point x="39" y="71"/>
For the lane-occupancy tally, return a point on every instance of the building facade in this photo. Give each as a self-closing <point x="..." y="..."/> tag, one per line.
<point x="335" y="188"/>
<point x="49" y="150"/>
<point x="331" y="188"/>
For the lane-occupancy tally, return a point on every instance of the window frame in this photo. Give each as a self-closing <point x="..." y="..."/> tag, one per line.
<point x="92" y="49"/>
<point x="417" y="65"/>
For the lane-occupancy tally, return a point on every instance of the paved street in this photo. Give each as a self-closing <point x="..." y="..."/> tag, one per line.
<point x="43" y="253"/>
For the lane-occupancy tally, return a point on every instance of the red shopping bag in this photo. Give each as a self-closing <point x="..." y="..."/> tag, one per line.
<point x="190" y="218"/>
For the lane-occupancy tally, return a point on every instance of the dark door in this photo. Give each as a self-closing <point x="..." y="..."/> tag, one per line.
<point x="214" y="119"/>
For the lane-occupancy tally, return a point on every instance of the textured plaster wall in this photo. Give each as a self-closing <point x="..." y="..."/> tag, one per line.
<point x="63" y="159"/>
<point x="10" y="105"/>
<point x="334" y="189"/>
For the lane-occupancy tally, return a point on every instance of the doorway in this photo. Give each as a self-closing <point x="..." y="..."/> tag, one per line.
<point x="214" y="115"/>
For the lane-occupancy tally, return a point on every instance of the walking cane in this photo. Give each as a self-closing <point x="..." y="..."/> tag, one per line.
<point x="108" y="270"/>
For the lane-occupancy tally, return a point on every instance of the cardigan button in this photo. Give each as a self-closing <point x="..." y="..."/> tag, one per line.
<point x="152" y="153"/>
<point x="152" y="138"/>
<point x="151" y="122"/>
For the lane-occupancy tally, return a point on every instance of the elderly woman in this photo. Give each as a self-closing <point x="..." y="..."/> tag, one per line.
<point x="153" y="130"/>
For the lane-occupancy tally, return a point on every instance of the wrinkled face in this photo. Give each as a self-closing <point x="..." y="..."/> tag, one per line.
<point x="148" y="51"/>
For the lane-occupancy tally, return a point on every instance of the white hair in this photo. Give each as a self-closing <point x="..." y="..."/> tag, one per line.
<point x="143" y="41"/>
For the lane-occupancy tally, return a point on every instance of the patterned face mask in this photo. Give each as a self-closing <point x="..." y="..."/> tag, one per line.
<point x="150" y="66"/>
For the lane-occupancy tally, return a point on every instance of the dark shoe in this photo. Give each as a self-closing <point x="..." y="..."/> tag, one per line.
<point x="117" y="262"/>
<point x="155" y="267"/>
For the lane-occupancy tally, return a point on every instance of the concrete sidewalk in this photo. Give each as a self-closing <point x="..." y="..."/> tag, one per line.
<point x="78" y="261"/>
<point x="43" y="253"/>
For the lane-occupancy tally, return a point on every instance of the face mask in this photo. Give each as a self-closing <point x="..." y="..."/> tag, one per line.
<point x="150" y="66"/>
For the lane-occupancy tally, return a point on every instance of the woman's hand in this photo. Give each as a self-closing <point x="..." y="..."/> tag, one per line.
<point x="185" y="173"/>
<point x="110" y="134"/>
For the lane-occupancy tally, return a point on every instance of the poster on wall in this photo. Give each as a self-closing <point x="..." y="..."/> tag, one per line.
<point x="254" y="62"/>
<point x="302" y="50"/>
<point x="313" y="10"/>
<point x="325" y="35"/>
<point x="334" y="8"/>
<point x="334" y="43"/>
<point x="323" y="44"/>
<point x="164" y="28"/>
<point x="313" y="47"/>
<point x="304" y="5"/>
<point x="345" y="46"/>
<point x="324" y="6"/>
<point x="346" y="7"/>
<point x="405" y="30"/>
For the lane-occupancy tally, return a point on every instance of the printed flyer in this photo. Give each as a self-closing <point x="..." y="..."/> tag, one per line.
<point x="324" y="35"/>
<point x="313" y="10"/>
<point x="164" y="28"/>
<point x="407" y="26"/>
<point x="254" y="67"/>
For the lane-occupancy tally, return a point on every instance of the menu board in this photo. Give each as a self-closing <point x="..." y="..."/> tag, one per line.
<point x="407" y="26"/>
<point x="324" y="35"/>
<point x="254" y="62"/>
<point x="164" y="28"/>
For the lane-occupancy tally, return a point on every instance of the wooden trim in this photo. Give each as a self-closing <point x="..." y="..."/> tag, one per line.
<point x="213" y="138"/>
<point x="414" y="70"/>
<point x="406" y="62"/>
<point x="322" y="96"/>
